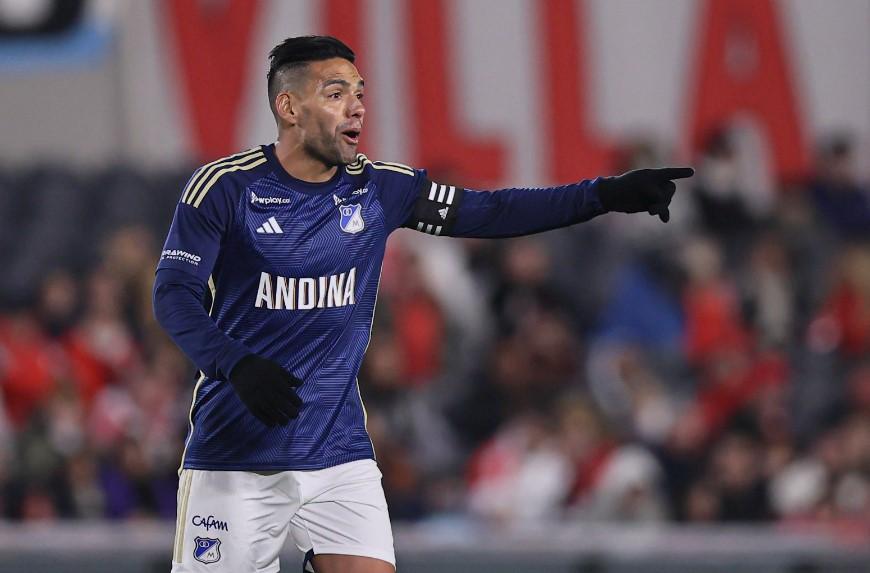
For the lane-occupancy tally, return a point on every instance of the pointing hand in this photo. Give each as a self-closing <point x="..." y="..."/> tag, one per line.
<point x="641" y="190"/>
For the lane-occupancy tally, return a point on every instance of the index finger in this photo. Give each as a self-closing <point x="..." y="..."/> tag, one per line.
<point x="675" y="172"/>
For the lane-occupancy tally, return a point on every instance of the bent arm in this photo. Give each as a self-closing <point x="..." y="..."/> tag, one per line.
<point x="178" y="308"/>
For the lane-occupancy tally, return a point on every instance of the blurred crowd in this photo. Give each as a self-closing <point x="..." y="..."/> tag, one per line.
<point x="715" y="369"/>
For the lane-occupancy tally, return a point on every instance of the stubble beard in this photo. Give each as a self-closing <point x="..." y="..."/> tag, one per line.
<point x="326" y="151"/>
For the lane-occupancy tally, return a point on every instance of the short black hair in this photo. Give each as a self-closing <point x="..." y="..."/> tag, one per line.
<point x="294" y="53"/>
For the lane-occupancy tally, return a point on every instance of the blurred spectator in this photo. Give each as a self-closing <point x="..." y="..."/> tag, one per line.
<point x="720" y="196"/>
<point x="842" y="202"/>
<point x="102" y="346"/>
<point x="499" y="385"/>
<point x="844" y="322"/>
<point x="88" y="498"/>
<point x="629" y="488"/>
<point x="128" y="487"/>
<point x="768" y="293"/>
<point x="130" y="257"/>
<point x="28" y="370"/>
<point x="858" y="389"/>
<point x="851" y="495"/>
<point x="713" y="322"/>
<point x="588" y="445"/>
<point x="524" y="287"/>
<point x="683" y="457"/>
<point x="703" y="504"/>
<point x="832" y="481"/>
<point x="520" y="474"/>
<point x="642" y="310"/>
<point x="417" y="323"/>
<point x="58" y="306"/>
<point x="630" y="392"/>
<point x="402" y="479"/>
<point x="732" y="382"/>
<point x="799" y="488"/>
<point x="736" y="472"/>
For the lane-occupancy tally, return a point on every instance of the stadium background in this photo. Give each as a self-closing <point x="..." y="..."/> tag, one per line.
<point x="618" y="396"/>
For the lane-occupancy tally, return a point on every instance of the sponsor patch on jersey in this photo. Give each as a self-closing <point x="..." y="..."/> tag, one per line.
<point x="255" y="199"/>
<point x="179" y="255"/>
<point x="206" y="549"/>
<point x="209" y="523"/>
<point x="351" y="218"/>
<point x="290" y="293"/>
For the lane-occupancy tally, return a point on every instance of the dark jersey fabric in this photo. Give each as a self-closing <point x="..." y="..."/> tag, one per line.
<point x="257" y="261"/>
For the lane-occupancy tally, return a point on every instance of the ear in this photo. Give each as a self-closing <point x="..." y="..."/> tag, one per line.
<point x="287" y="107"/>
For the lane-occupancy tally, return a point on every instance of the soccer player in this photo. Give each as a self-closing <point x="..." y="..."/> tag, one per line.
<point x="268" y="281"/>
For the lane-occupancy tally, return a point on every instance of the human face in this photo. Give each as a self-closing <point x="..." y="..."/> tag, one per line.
<point x="331" y="111"/>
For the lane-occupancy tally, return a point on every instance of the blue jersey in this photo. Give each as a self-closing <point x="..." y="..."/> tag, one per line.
<point x="293" y="269"/>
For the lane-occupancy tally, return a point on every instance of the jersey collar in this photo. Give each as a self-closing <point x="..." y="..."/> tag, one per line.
<point x="298" y="184"/>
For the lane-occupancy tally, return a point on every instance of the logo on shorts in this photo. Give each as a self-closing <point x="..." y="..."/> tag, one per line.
<point x="206" y="549"/>
<point x="209" y="523"/>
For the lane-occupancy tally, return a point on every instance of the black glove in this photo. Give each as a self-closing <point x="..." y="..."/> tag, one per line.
<point x="641" y="190"/>
<point x="266" y="389"/>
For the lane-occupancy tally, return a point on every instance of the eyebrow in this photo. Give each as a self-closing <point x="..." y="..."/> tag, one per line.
<point x="342" y="83"/>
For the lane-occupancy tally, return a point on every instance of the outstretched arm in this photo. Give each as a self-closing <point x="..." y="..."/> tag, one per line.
<point x="457" y="212"/>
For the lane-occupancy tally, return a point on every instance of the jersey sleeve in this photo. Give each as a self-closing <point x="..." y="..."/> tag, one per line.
<point x="412" y="201"/>
<point x="177" y="301"/>
<point x="400" y="184"/>
<point x="524" y="211"/>
<point x="198" y="228"/>
<point x="202" y="218"/>
<point x="449" y="210"/>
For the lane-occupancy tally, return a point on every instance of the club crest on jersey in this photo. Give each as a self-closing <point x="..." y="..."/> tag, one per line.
<point x="351" y="218"/>
<point x="206" y="549"/>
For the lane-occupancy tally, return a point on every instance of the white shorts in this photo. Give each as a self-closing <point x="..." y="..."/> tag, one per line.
<point x="237" y="521"/>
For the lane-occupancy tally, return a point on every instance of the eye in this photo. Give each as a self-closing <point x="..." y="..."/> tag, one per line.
<point x="360" y="96"/>
<point x="334" y="95"/>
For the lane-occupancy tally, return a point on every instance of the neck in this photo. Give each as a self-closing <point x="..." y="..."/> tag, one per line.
<point x="299" y="163"/>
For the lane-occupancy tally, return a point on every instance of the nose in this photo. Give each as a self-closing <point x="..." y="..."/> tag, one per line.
<point x="356" y="109"/>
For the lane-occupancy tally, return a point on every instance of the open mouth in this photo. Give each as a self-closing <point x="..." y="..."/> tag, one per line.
<point x="351" y="136"/>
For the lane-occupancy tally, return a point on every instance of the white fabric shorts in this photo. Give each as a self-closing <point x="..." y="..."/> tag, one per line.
<point x="238" y="521"/>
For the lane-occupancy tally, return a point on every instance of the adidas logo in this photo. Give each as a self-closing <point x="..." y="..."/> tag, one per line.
<point x="443" y="213"/>
<point x="270" y="226"/>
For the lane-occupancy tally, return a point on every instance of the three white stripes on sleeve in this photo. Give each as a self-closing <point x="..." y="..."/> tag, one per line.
<point x="440" y="191"/>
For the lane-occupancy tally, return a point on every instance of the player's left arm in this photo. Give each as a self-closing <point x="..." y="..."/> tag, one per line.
<point x="458" y="212"/>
